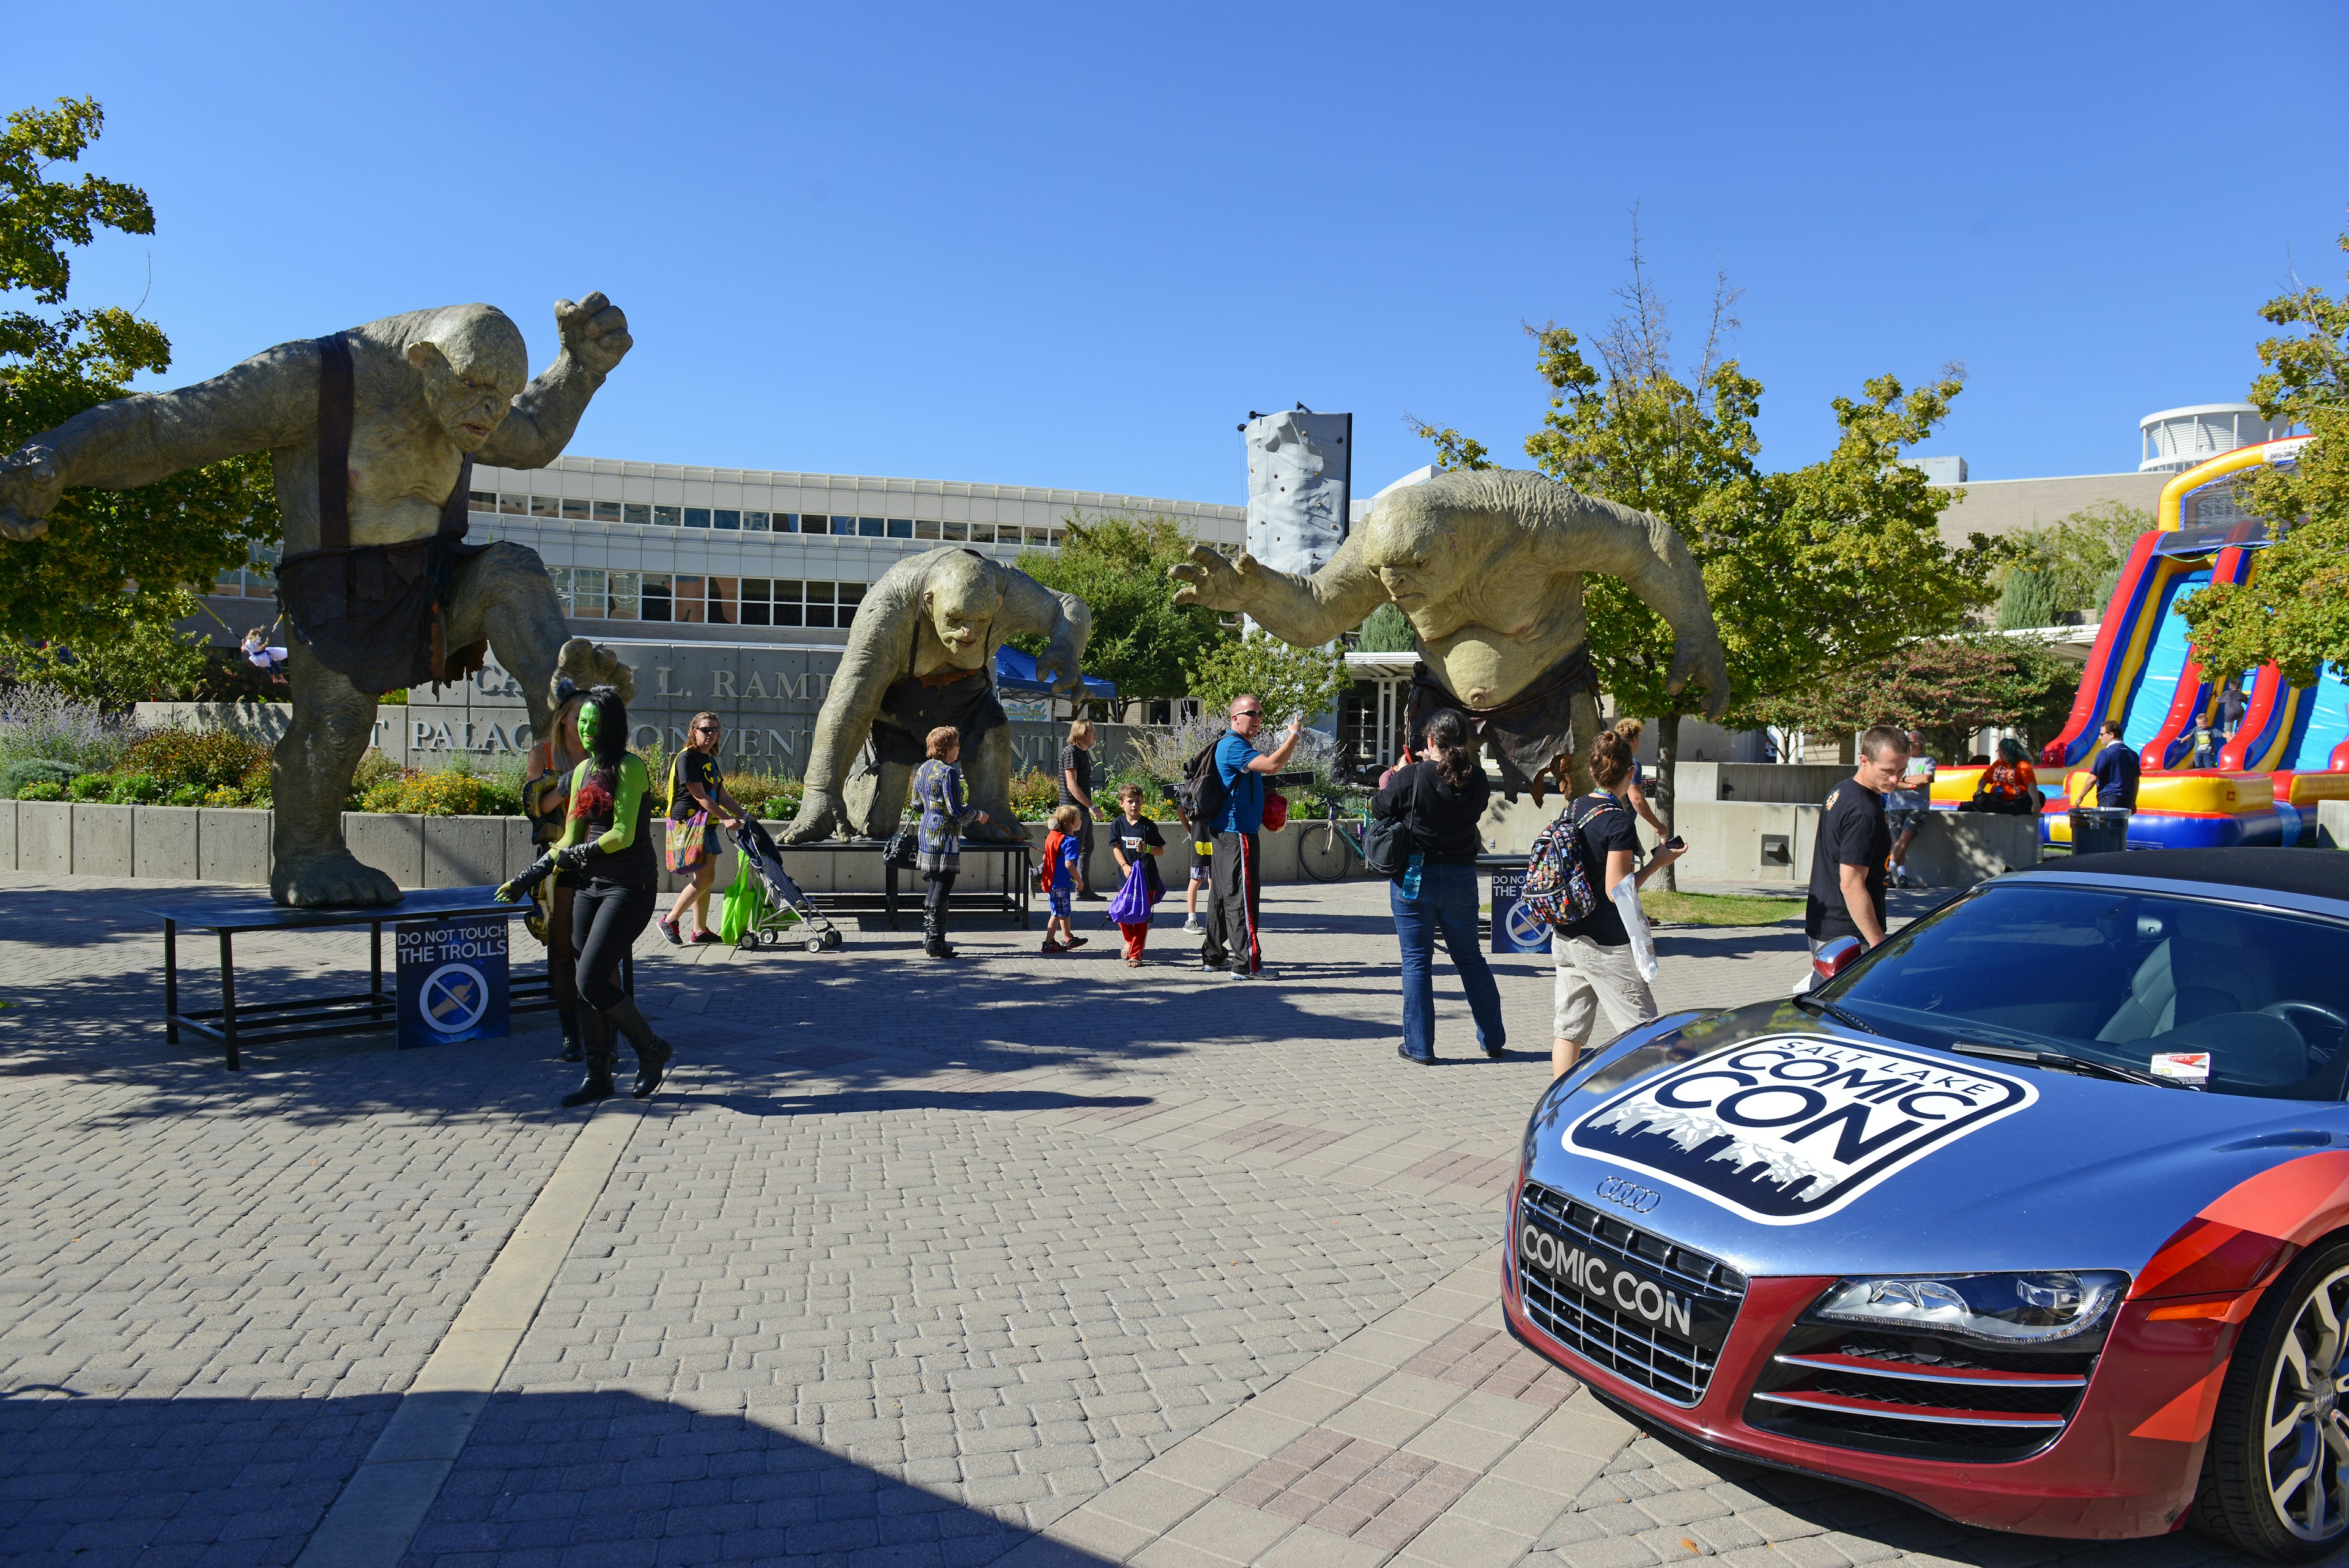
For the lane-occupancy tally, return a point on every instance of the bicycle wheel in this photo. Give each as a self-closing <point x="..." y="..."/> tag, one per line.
<point x="1323" y="853"/>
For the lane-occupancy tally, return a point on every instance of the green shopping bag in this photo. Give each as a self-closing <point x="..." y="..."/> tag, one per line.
<point x="744" y="900"/>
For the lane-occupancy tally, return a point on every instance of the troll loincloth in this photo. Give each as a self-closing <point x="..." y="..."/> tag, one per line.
<point x="1525" y="733"/>
<point x="913" y="705"/>
<point x="374" y="613"/>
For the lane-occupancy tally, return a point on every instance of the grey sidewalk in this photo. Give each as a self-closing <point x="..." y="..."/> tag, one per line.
<point x="1020" y="1258"/>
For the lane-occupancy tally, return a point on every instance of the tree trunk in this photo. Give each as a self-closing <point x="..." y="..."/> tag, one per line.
<point x="1668" y="756"/>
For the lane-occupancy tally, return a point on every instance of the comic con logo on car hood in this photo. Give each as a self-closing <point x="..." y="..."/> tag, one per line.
<point x="1789" y="1128"/>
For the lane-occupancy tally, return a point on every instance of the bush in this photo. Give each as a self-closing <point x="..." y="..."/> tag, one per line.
<point x="134" y="789"/>
<point x="42" y="723"/>
<point x="89" y="786"/>
<point x="1034" y="793"/>
<point x="208" y="759"/>
<point x="33" y="773"/>
<point x="767" y="796"/>
<point x="42" y="789"/>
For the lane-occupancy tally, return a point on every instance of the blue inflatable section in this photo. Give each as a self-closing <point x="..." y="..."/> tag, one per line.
<point x="2322" y="723"/>
<point x="2165" y="662"/>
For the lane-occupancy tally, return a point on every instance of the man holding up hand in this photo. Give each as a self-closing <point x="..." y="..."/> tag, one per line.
<point x="1232" y="937"/>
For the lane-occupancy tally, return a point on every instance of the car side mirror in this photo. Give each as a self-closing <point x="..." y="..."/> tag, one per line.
<point x="1833" y="958"/>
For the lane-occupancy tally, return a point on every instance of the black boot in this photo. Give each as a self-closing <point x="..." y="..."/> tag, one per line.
<point x="596" y="1032"/>
<point x="573" y="1046"/>
<point x="933" y="936"/>
<point x="653" y="1052"/>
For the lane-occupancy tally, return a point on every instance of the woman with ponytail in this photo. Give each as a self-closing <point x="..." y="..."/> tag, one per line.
<point x="1440" y="797"/>
<point x="1593" y="955"/>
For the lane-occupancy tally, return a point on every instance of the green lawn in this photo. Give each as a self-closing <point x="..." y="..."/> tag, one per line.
<point x="1719" y="909"/>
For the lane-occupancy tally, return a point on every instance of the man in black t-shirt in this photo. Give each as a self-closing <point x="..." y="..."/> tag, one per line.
<point x="2116" y="767"/>
<point x="1854" y="840"/>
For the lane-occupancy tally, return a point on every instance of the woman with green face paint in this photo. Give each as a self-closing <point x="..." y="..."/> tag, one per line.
<point x="608" y="843"/>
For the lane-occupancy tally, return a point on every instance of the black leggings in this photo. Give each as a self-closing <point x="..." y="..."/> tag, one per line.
<point x="934" y="902"/>
<point x="606" y="919"/>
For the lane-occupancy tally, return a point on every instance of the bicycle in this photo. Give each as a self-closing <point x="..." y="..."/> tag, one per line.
<point x="1325" y="852"/>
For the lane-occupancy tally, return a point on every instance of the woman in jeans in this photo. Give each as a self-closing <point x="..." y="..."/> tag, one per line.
<point x="1440" y="798"/>
<point x="608" y="845"/>
<point x="1593" y="955"/>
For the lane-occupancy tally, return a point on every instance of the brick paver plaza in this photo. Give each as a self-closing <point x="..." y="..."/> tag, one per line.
<point x="1017" y="1261"/>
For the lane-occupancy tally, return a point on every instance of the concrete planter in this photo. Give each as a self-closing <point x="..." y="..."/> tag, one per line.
<point x="45" y="838"/>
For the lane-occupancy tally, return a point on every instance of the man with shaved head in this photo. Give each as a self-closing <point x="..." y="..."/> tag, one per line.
<point x="373" y="432"/>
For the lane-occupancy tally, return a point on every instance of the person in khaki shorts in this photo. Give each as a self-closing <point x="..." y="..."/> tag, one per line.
<point x="1593" y="955"/>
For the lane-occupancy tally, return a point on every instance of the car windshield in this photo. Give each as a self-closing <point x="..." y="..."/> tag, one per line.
<point x="2154" y="983"/>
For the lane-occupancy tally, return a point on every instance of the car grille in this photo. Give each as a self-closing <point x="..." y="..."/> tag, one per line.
<point x="1660" y="1363"/>
<point x="1919" y="1397"/>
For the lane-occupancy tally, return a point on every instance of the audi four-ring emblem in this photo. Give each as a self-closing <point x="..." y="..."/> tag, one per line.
<point x="1638" y="1199"/>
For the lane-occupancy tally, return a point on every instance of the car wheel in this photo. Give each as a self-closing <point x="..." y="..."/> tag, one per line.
<point x="2275" y="1478"/>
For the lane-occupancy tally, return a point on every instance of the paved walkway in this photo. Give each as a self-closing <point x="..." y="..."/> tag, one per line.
<point x="1016" y="1261"/>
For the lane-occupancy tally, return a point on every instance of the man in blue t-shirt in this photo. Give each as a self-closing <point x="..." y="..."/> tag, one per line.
<point x="2116" y="767"/>
<point x="1232" y="943"/>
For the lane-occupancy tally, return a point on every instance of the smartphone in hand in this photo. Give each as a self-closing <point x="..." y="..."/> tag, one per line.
<point x="1675" y="842"/>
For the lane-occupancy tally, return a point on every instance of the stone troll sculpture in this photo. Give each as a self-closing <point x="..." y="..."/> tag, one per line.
<point x="374" y="433"/>
<point x="1487" y="566"/>
<point x="920" y="655"/>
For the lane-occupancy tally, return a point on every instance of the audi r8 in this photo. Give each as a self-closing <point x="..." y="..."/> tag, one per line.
<point x="2037" y="1215"/>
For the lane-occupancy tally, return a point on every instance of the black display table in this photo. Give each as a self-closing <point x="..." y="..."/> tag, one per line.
<point x="353" y="1013"/>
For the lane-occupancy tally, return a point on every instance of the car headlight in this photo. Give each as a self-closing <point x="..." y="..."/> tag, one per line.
<point x="2017" y="1310"/>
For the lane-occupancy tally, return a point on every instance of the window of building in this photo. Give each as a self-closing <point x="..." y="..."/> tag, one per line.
<point x="608" y="512"/>
<point x="697" y="516"/>
<point x="786" y="521"/>
<point x="667" y="517"/>
<point x="481" y="500"/>
<point x="818" y="604"/>
<point x="843" y="524"/>
<point x="577" y="511"/>
<point x="625" y="589"/>
<point x="587" y="592"/>
<point x="725" y="517"/>
<point x="788" y="593"/>
<point x="642" y="517"/>
<point x="656" y="595"/>
<point x="901" y="527"/>
<point x="982" y="533"/>
<point x="957" y="533"/>
<point x="758" y="597"/>
<point x="514" y="505"/>
<point x="924" y="529"/>
<point x="1041" y="538"/>
<point x="545" y="507"/>
<point x="851" y="595"/>
<point x="754" y="522"/>
<point x="869" y="528"/>
<point x="685" y="596"/>
<point x="724" y="602"/>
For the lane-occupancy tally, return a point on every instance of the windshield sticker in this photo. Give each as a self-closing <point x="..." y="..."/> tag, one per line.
<point x="1789" y="1128"/>
<point x="2193" y="1066"/>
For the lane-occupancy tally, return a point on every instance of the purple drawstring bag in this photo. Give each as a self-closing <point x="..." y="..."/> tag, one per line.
<point x="1132" y="904"/>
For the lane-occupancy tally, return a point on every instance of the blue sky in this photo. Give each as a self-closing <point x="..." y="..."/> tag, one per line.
<point x="1074" y="246"/>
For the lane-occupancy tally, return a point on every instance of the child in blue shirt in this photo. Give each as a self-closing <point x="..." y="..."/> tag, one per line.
<point x="1063" y="848"/>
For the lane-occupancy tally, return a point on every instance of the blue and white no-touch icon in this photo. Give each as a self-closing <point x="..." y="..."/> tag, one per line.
<point x="1529" y="931"/>
<point x="455" y="997"/>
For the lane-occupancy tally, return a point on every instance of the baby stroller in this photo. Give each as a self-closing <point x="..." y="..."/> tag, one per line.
<point x="783" y="901"/>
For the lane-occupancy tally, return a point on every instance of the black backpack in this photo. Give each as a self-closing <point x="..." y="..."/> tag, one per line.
<point x="1202" y="792"/>
<point x="1387" y="840"/>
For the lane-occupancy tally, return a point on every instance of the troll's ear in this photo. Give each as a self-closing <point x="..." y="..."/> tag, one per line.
<point x="427" y="357"/>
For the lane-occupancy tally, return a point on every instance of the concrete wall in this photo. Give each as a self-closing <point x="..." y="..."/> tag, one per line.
<point x="1798" y="784"/>
<point x="2332" y="824"/>
<point x="59" y="838"/>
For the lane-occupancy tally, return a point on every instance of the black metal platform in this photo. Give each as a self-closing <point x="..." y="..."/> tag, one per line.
<point x="228" y="916"/>
<point x="1011" y="900"/>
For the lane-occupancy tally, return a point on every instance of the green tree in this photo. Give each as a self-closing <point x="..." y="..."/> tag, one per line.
<point x="2076" y="561"/>
<point x="1288" y="680"/>
<point x="1387" y="631"/>
<point x="1825" y="566"/>
<point x="2294" y="612"/>
<point x="1141" y="643"/>
<point x="111" y="560"/>
<point x="142" y="662"/>
<point x="1947" y="686"/>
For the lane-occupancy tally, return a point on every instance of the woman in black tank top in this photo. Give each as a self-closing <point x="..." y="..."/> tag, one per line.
<point x="607" y="842"/>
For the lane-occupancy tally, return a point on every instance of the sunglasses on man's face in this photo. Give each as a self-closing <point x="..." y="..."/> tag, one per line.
<point x="1249" y="713"/>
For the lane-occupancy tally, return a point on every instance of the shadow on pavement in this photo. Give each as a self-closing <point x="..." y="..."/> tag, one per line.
<point x="603" y="1477"/>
